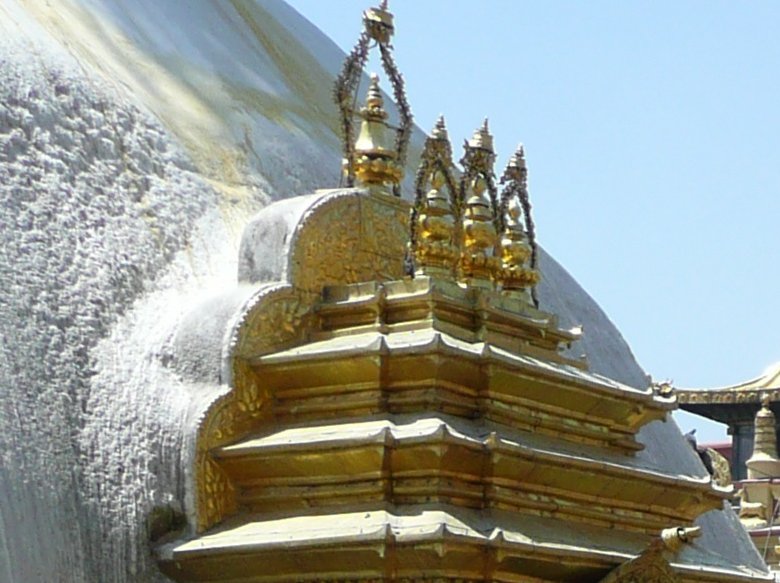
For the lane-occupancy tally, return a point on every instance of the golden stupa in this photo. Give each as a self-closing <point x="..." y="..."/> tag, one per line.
<point x="399" y="408"/>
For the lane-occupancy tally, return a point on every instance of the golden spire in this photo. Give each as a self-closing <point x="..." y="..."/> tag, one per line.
<point x="517" y="275"/>
<point x="375" y="158"/>
<point x="482" y="138"/>
<point x="379" y="28"/>
<point x="478" y="263"/>
<point x="440" y="131"/>
<point x="435" y="253"/>
<point x="516" y="166"/>
<point x="764" y="463"/>
<point x="434" y="229"/>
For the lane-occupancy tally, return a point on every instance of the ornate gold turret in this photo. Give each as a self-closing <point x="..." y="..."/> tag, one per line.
<point x="517" y="277"/>
<point x="764" y="463"/>
<point x="364" y="163"/>
<point x="434" y="228"/>
<point x="478" y="263"/>
<point x="375" y="158"/>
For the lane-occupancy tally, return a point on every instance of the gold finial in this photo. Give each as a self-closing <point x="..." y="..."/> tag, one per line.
<point x="433" y="232"/>
<point x="479" y="157"/>
<point x="379" y="23"/>
<point x="375" y="103"/>
<point x="480" y="236"/>
<point x="517" y="276"/>
<point x="516" y="163"/>
<point x="764" y="463"/>
<point x="482" y="138"/>
<point x="440" y="130"/>
<point x="375" y="156"/>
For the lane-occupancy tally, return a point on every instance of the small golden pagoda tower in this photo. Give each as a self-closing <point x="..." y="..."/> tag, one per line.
<point x="760" y="493"/>
<point x="397" y="408"/>
<point x="749" y="410"/>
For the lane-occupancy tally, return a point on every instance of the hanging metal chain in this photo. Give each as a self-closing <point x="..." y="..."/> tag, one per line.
<point x="530" y="229"/>
<point x="490" y="179"/>
<point x="344" y="93"/>
<point x="404" y="132"/>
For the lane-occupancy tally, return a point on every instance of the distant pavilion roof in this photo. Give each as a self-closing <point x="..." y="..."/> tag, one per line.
<point x="734" y="403"/>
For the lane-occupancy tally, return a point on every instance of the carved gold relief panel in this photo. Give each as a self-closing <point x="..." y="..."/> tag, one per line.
<point x="349" y="238"/>
<point x="275" y="318"/>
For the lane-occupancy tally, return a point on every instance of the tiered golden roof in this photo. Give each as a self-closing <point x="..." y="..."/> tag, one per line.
<point x="394" y="422"/>
<point x="752" y="391"/>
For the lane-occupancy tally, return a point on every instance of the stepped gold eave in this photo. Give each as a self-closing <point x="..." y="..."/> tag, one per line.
<point x="425" y="405"/>
<point x="398" y="407"/>
<point x="430" y="545"/>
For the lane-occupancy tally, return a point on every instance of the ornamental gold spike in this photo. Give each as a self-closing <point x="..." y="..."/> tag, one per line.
<point x="375" y="158"/>
<point x="439" y="132"/>
<point x="482" y="138"/>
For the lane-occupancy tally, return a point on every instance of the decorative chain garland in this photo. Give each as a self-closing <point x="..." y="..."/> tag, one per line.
<point x="404" y="132"/>
<point x="344" y="93"/>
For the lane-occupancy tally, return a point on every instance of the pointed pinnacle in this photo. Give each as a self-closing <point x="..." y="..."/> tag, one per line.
<point x="482" y="138"/>
<point x="383" y="5"/>
<point x="374" y="95"/>
<point x="517" y="161"/>
<point x="440" y="129"/>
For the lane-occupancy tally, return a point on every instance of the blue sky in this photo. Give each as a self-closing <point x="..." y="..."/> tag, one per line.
<point x="652" y="132"/>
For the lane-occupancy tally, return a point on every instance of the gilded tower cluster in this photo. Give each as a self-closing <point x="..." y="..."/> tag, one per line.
<point x="462" y="227"/>
<point x="465" y="229"/>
